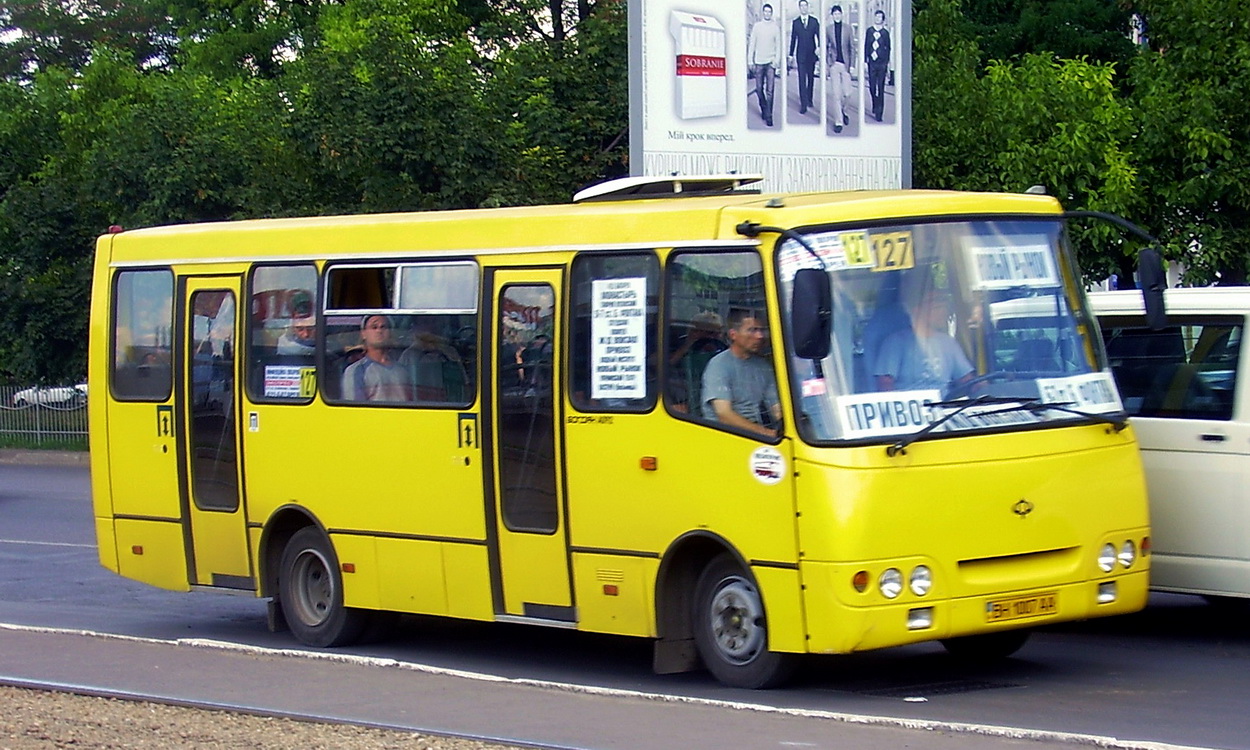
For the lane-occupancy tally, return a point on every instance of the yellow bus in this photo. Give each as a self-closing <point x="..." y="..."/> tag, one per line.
<point x="675" y="409"/>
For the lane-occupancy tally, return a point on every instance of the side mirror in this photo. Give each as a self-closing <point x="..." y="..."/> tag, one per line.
<point x="811" y="313"/>
<point x="1153" y="279"/>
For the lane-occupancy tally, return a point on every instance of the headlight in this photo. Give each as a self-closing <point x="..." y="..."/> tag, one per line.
<point x="890" y="583"/>
<point x="1106" y="558"/>
<point x="921" y="580"/>
<point x="1128" y="554"/>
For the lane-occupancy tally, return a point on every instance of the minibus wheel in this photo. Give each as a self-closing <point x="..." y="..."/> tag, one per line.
<point x="311" y="591"/>
<point x="986" y="647"/>
<point x="730" y="629"/>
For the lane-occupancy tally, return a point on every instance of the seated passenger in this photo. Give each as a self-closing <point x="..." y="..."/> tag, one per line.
<point x="300" y="339"/>
<point x="739" y="388"/>
<point x="690" y="357"/>
<point x="435" y="367"/>
<point x="924" y="356"/>
<point x="376" y="376"/>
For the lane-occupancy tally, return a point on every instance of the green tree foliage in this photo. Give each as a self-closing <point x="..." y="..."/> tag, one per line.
<point x="37" y="36"/>
<point x="223" y="109"/>
<point x="1192" y="88"/>
<point x="1037" y="120"/>
<point x="1068" y="29"/>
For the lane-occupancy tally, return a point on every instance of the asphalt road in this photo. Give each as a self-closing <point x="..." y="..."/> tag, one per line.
<point x="1174" y="674"/>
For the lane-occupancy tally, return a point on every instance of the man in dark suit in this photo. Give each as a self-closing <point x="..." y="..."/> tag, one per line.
<point x="804" y="41"/>
<point x="877" y="56"/>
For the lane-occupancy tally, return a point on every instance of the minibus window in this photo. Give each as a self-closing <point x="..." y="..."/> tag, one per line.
<point x="401" y="334"/>
<point x="142" y="335"/>
<point x="715" y="298"/>
<point x="614" y="321"/>
<point x="282" y="333"/>
<point x="927" y="316"/>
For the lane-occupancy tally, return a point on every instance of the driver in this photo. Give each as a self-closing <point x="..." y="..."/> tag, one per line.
<point x="923" y="355"/>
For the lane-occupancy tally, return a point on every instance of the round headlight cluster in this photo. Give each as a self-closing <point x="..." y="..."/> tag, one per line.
<point x="890" y="582"/>
<point x="1106" y="558"/>
<point x="1126" y="555"/>
<point x="921" y="580"/>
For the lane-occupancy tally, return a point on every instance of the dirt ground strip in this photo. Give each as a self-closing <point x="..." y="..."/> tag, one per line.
<point x="38" y="720"/>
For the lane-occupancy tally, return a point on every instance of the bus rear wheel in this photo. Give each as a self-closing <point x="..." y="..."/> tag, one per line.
<point x="987" y="647"/>
<point x="731" y="632"/>
<point x="311" y="591"/>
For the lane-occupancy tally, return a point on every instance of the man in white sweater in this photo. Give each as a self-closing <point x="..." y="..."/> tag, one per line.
<point x="764" y="57"/>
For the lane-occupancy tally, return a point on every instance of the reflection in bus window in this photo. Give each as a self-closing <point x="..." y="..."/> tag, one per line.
<point x="526" y="405"/>
<point x="403" y="334"/>
<point x="142" y="340"/>
<point x="282" y="333"/>
<point x="710" y="293"/>
<point x="214" y="465"/>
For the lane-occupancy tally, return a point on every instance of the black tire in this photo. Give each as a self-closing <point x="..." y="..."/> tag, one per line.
<point x="310" y="589"/>
<point x="987" y="647"/>
<point x="731" y="630"/>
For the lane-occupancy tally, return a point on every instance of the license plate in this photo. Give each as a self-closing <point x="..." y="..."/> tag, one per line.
<point x="1019" y="607"/>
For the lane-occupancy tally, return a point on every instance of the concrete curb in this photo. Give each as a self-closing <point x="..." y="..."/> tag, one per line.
<point x="45" y="458"/>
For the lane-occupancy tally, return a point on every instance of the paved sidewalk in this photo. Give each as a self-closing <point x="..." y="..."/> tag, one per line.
<point x="331" y="686"/>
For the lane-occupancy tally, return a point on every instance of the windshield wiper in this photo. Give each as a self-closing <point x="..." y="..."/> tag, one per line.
<point x="1030" y="405"/>
<point x="1119" y="423"/>
<point x="901" y="445"/>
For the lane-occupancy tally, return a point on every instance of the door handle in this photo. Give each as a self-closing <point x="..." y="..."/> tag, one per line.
<point x="1211" y="437"/>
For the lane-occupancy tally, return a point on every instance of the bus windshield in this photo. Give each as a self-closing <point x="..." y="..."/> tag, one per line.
<point x="947" y="327"/>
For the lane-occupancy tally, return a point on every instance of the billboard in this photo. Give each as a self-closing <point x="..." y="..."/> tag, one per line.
<point x="812" y="94"/>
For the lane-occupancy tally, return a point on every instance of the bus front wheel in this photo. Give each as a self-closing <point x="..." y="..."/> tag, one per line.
<point x="311" y="591"/>
<point x="731" y="632"/>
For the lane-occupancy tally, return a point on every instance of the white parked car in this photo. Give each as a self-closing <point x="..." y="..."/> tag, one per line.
<point x="1190" y="408"/>
<point x="61" y="395"/>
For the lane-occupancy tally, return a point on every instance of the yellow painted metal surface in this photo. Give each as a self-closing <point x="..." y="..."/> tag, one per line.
<point x="405" y="498"/>
<point x="152" y="552"/>
<point x="615" y="593"/>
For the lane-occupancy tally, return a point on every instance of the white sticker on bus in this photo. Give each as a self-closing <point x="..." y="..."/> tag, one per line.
<point x="1093" y="392"/>
<point x="768" y="466"/>
<point x="1000" y="265"/>
<point x="282" y="381"/>
<point x="888" y="413"/>
<point x="618" y="330"/>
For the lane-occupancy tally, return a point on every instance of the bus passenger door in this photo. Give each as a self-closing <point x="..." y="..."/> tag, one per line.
<point x="215" y="523"/>
<point x="530" y="561"/>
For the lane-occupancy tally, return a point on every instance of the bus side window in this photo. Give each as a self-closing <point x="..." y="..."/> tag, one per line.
<point x="708" y="293"/>
<point x="282" y="332"/>
<point x="615" y="332"/>
<point x="142" y="335"/>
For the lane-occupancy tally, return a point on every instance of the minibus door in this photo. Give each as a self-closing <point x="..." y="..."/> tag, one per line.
<point x="529" y="549"/>
<point x="214" y="520"/>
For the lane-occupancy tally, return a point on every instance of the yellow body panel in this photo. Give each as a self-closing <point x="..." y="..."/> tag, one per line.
<point x="615" y="594"/>
<point x="152" y="552"/>
<point x="408" y="504"/>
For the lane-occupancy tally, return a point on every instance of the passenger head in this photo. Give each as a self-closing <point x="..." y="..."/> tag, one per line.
<point x="375" y="331"/>
<point x="746" y="332"/>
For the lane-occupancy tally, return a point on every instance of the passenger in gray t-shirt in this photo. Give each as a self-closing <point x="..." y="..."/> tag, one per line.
<point x="739" y="387"/>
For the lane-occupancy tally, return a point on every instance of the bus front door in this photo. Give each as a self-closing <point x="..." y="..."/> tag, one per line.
<point x="215" y="523"/>
<point x="530" y="562"/>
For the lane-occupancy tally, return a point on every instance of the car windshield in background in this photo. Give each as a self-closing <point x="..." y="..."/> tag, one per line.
<point x="928" y="317"/>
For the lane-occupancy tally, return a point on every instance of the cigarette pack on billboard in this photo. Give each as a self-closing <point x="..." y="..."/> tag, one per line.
<point x="699" y="44"/>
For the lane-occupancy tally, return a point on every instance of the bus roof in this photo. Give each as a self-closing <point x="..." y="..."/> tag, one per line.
<point x="657" y="222"/>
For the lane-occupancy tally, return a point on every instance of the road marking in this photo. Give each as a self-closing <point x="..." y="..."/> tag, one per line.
<point x="46" y="544"/>
<point x="985" y="730"/>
